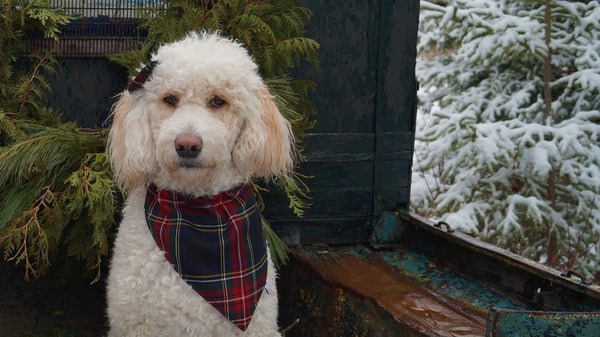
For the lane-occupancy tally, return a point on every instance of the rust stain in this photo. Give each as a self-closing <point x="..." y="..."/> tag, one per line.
<point x="337" y="310"/>
<point x="408" y="302"/>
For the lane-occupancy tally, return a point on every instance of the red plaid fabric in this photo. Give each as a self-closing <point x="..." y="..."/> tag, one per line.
<point x="216" y="244"/>
<point x="138" y="81"/>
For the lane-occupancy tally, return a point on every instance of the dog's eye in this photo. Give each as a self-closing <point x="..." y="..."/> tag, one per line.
<point x="171" y="100"/>
<point x="217" y="102"/>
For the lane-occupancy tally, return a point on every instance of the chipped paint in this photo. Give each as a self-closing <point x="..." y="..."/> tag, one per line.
<point x="386" y="231"/>
<point x="448" y="281"/>
<point x="408" y="302"/>
<point x="422" y="280"/>
<point x="539" y="286"/>
<point x="510" y="323"/>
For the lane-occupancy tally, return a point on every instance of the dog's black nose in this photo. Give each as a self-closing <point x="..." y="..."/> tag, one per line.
<point x="188" y="145"/>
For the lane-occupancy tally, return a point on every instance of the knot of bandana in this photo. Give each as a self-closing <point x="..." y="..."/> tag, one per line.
<point x="141" y="77"/>
<point x="216" y="244"/>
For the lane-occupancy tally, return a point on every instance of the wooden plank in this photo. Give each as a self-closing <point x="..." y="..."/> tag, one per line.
<point x="336" y="230"/>
<point x="346" y="77"/>
<point x="395" y="103"/>
<point x="359" y="271"/>
<point x="339" y="147"/>
<point x="332" y="203"/>
<point x="316" y="308"/>
<point x="394" y="200"/>
<point x="338" y="175"/>
<point x="397" y="146"/>
<point x="543" y="287"/>
<point x="396" y="79"/>
<point x="508" y="323"/>
<point x="393" y="172"/>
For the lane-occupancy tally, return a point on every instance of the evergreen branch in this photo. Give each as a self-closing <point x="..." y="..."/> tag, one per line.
<point x="296" y="191"/>
<point x="278" y="248"/>
<point x="504" y="95"/>
<point x="48" y="152"/>
<point x="20" y="235"/>
<point x="10" y="130"/>
<point x="49" y="156"/>
<point x="90" y="196"/>
<point x="35" y="76"/>
<point x="49" y="18"/>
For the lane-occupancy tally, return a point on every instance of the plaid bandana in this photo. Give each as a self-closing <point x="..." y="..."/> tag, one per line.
<point x="216" y="244"/>
<point x="141" y="77"/>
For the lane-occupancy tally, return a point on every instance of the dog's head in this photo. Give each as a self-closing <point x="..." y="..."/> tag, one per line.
<point x="198" y="120"/>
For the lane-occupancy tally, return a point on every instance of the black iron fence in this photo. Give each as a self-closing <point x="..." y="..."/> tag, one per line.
<point x="100" y="27"/>
<point x="104" y="8"/>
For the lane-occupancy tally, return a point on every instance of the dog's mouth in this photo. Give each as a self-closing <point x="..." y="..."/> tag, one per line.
<point x="191" y="164"/>
<point x="188" y="164"/>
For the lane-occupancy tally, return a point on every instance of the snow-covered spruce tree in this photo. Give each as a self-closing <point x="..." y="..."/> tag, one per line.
<point x="508" y="126"/>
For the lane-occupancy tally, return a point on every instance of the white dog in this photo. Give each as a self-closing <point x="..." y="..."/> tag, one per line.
<point x="195" y="126"/>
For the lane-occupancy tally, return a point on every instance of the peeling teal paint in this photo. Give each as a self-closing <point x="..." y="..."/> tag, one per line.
<point x="408" y="285"/>
<point x="386" y="230"/>
<point x="436" y="282"/>
<point x="448" y="281"/>
<point x="511" y="323"/>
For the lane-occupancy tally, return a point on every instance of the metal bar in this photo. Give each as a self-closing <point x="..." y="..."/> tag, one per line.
<point x="533" y="281"/>
<point x="510" y="323"/>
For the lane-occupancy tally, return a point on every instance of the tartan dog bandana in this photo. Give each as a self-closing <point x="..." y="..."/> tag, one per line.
<point x="141" y="77"/>
<point x="216" y="244"/>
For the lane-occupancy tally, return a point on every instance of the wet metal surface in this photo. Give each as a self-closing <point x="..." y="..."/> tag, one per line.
<point x="411" y="305"/>
<point x="538" y="286"/>
<point x="501" y="259"/>
<point x="434" y="282"/>
<point x="510" y="323"/>
<point x="449" y="282"/>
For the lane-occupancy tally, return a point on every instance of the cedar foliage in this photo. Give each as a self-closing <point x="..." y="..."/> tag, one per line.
<point x="58" y="190"/>
<point x="53" y="175"/>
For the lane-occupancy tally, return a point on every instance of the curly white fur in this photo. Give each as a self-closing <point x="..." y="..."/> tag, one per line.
<point x="206" y="88"/>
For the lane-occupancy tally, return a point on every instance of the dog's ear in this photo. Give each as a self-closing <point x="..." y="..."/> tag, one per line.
<point x="129" y="144"/>
<point x="266" y="144"/>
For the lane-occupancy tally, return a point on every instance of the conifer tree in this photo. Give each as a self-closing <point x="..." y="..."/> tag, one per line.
<point x="58" y="193"/>
<point x="507" y="138"/>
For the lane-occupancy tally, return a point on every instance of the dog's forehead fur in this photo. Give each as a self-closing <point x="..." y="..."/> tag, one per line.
<point x="204" y="60"/>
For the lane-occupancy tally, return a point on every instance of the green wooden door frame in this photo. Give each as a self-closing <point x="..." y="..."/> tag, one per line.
<point x="360" y="151"/>
<point x="396" y="105"/>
